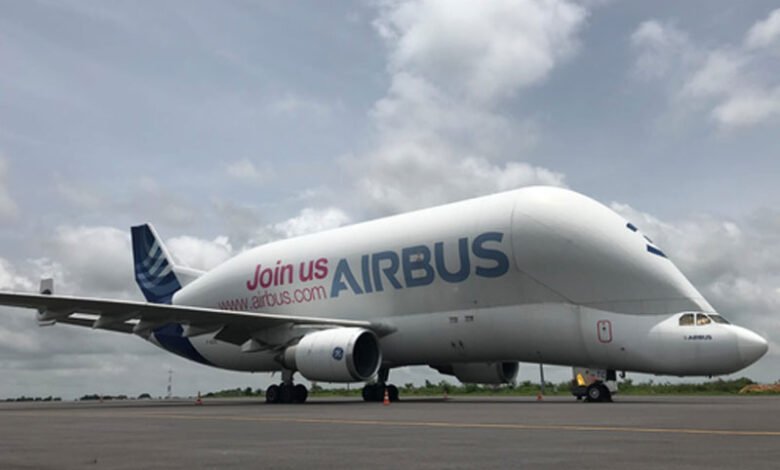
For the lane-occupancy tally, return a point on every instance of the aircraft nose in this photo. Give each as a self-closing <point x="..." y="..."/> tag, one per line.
<point x="751" y="346"/>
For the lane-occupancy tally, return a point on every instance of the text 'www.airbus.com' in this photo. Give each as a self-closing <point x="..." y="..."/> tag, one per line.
<point x="275" y="299"/>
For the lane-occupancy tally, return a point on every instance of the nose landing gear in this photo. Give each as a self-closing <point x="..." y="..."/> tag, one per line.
<point x="594" y="385"/>
<point x="598" y="392"/>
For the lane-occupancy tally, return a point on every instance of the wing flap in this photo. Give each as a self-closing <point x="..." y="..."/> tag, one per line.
<point x="234" y="335"/>
<point x="119" y="327"/>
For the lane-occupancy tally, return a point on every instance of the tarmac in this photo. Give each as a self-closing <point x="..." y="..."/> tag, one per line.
<point x="633" y="432"/>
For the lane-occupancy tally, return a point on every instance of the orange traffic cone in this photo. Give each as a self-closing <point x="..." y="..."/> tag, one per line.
<point x="446" y="396"/>
<point x="386" y="401"/>
<point x="199" y="401"/>
<point x="539" y="396"/>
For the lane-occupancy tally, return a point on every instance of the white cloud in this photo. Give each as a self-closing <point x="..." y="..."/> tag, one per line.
<point x="198" y="253"/>
<point x="246" y="170"/>
<point x="442" y="131"/>
<point x="292" y="105"/>
<point x="719" y="74"/>
<point x="10" y="279"/>
<point x="418" y="111"/>
<point x="748" y="108"/>
<point x="736" y="85"/>
<point x="8" y="207"/>
<point x="311" y="221"/>
<point x="94" y="261"/>
<point x="80" y="195"/>
<point x="18" y="341"/>
<point x="159" y="203"/>
<point x="410" y="175"/>
<point x="308" y="220"/>
<point x="480" y="51"/>
<point x="662" y="46"/>
<point x="764" y="33"/>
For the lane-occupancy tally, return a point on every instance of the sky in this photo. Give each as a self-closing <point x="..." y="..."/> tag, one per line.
<point x="230" y="124"/>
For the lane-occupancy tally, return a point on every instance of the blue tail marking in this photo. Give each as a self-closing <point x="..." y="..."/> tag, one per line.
<point x="153" y="271"/>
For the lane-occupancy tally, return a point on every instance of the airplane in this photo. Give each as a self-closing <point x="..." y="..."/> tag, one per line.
<point x="538" y="274"/>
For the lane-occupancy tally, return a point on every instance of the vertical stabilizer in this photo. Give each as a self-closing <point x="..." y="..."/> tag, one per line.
<point x="153" y="266"/>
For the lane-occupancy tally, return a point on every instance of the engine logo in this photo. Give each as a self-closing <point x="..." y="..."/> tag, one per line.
<point x="338" y="353"/>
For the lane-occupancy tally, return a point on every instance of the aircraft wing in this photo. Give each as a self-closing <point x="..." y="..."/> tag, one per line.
<point x="142" y="318"/>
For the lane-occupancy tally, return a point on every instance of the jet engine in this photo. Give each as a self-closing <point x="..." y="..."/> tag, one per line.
<point x="481" y="372"/>
<point x="336" y="355"/>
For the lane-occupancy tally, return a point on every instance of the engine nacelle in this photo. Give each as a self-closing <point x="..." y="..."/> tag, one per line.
<point x="481" y="372"/>
<point x="336" y="355"/>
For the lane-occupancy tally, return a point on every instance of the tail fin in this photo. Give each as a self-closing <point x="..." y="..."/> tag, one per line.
<point x="153" y="266"/>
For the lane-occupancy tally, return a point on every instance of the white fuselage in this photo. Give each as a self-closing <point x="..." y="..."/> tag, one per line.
<point x="536" y="275"/>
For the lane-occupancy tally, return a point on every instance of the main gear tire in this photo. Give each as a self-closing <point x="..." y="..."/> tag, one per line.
<point x="272" y="394"/>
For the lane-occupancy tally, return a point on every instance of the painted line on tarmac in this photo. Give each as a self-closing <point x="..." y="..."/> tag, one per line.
<point x="457" y="425"/>
<point x="420" y="424"/>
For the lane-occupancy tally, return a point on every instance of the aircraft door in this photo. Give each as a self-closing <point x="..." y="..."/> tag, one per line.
<point x="605" y="338"/>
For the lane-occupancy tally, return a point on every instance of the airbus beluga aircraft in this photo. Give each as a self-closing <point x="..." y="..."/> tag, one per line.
<point x="539" y="274"/>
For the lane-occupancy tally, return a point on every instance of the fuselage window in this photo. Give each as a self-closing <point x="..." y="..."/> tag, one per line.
<point x="686" y="320"/>
<point x="702" y="319"/>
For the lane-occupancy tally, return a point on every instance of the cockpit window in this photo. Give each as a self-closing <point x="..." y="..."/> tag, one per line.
<point x="699" y="319"/>
<point x="719" y="319"/>
<point x="686" y="320"/>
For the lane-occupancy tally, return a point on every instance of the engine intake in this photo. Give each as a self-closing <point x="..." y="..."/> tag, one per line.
<point x="336" y="355"/>
<point x="481" y="372"/>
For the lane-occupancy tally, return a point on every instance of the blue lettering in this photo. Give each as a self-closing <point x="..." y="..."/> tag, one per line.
<point x="421" y="262"/>
<point x="342" y="270"/>
<point x="463" y="273"/>
<point x="420" y="266"/>
<point x="502" y="262"/>
<point x="365" y="274"/>
<point x="389" y="271"/>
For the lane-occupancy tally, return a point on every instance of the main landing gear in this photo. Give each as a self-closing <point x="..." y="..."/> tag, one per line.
<point x="376" y="391"/>
<point x="286" y="392"/>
